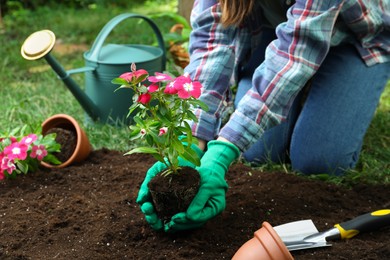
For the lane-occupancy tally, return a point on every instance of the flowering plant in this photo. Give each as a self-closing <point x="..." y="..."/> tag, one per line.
<point x="162" y="109"/>
<point x="22" y="153"/>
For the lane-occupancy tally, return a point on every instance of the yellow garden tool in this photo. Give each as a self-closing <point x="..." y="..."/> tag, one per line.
<point x="304" y="235"/>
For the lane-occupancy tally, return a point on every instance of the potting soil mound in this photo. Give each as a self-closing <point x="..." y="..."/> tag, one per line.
<point x="88" y="211"/>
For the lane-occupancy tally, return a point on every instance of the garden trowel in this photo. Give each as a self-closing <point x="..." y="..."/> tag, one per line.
<point x="304" y="235"/>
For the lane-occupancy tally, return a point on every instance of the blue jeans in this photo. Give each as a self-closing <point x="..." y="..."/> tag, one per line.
<point x="325" y="128"/>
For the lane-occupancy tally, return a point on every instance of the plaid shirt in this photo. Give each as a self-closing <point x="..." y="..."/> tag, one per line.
<point x="302" y="44"/>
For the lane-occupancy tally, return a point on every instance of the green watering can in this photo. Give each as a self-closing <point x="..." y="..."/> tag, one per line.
<point x="102" y="63"/>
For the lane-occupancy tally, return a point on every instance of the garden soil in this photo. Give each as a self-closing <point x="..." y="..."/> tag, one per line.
<point x="88" y="211"/>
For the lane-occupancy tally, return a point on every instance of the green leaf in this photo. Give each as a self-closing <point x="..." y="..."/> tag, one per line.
<point x="50" y="158"/>
<point x="119" y="81"/>
<point x="143" y="149"/>
<point x="149" y="138"/>
<point x="174" y="160"/>
<point x="164" y="119"/>
<point x="158" y="157"/>
<point x="178" y="146"/>
<point x="201" y="104"/>
<point x="163" y="110"/>
<point x="155" y="124"/>
<point x="23" y="168"/>
<point x="191" y="116"/>
<point x="182" y="129"/>
<point x="139" y="121"/>
<point x="132" y="108"/>
<point x="135" y="135"/>
<point x="123" y="86"/>
<point x="139" y="79"/>
<point x="191" y="156"/>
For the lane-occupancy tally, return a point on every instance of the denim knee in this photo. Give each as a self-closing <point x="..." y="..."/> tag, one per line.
<point x="319" y="160"/>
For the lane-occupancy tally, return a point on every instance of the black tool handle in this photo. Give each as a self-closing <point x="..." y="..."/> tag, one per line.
<point x="364" y="223"/>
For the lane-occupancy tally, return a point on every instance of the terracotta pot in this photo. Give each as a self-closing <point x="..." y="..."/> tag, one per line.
<point x="265" y="245"/>
<point x="83" y="147"/>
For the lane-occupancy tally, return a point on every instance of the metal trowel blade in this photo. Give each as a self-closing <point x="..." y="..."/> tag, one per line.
<point x="294" y="233"/>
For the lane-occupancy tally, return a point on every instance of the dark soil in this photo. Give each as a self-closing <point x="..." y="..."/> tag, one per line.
<point x="88" y="211"/>
<point x="68" y="141"/>
<point x="174" y="193"/>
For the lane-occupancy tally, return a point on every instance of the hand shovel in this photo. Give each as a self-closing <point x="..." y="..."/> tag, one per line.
<point x="304" y="235"/>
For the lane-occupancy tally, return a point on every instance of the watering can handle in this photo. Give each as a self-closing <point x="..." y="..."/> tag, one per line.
<point x="97" y="45"/>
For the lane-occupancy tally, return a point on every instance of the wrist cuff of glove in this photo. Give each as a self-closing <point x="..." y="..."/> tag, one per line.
<point x="229" y="151"/>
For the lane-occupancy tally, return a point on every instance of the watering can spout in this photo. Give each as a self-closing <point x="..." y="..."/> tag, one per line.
<point x="38" y="45"/>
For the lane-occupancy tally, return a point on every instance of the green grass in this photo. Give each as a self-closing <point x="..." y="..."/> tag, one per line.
<point x="31" y="92"/>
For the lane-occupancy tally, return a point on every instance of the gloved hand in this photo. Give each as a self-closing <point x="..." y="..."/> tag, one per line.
<point x="144" y="199"/>
<point x="210" y="199"/>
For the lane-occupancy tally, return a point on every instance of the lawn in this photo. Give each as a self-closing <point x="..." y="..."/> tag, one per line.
<point x="30" y="90"/>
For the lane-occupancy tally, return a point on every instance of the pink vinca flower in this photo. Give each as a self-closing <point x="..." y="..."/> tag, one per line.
<point x="170" y="88"/>
<point x="143" y="131"/>
<point x="27" y="140"/>
<point x="16" y="151"/>
<point x="153" y="87"/>
<point x="135" y="76"/>
<point x="159" y="77"/>
<point x="38" y="151"/>
<point x="163" y="131"/>
<point x="144" y="98"/>
<point x="187" y="88"/>
<point x="7" y="165"/>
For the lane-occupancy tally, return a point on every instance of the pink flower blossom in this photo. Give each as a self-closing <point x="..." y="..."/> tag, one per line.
<point x="16" y="151"/>
<point x="163" y="131"/>
<point x="144" y="98"/>
<point x="186" y="87"/>
<point x="38" y="151"/>
<point x="128" y="76"/>
<point x="27" y="140"/>
<point x="134" y="76"/>
<point x="159" y="77"/>
<point x="7" y="165"/>
<point x="153" y="87"/>
<point x="190" y="89"/>
<point x="170" y="89"/>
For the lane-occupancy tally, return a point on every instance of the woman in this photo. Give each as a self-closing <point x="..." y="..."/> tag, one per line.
<point x="309" y="77"/>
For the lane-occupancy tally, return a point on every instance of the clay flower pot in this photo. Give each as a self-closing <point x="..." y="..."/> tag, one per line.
<point x="68" y="133"/>
<point x="265" y="245"/>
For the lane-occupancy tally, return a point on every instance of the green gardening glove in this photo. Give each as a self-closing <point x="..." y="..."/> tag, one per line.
<point x="210" y="199"/>
<point x="144" y="199"/>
